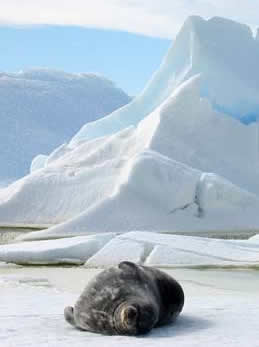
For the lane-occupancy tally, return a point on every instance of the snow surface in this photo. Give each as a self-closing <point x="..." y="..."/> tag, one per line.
<point x="221" y="309"/>
<point x="254" y="238"/>
<point x="42" y="108"/>
<point x="147" y="248"/>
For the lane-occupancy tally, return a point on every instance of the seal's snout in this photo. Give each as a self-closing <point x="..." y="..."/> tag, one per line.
<point x="136" y="319"/>
<point x="129" y="315"/>
<point x="148" y="318"/>
<point x="125" y="319"/>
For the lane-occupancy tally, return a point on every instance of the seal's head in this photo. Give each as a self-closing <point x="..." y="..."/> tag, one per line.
<point x="134" y="318"/>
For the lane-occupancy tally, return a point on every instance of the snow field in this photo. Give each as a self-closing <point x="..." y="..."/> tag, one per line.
<point x="221" y="309"/>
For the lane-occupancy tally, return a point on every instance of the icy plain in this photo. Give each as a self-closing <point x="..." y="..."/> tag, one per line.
<point x="221" y="309"/>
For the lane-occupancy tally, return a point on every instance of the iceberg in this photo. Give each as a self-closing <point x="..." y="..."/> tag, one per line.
<point x="168" y="161"/>
<point x="216" y="49"/>
<point x="149" y="177"/>
<point x="42" y="108"/>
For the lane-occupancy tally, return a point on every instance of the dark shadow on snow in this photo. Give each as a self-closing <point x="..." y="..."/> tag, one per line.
<point x="184" y="325"/>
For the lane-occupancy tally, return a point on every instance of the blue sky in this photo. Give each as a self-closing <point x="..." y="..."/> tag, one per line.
<point x="127" y="59"/>
<point x="94" y="36"/>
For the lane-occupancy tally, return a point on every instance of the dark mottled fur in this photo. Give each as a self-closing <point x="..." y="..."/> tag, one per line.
<point x="127" y="300"/>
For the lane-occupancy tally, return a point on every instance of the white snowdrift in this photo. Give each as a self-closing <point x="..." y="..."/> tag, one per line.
<point x="74" y="250"/>
<point x="141" y="247"/>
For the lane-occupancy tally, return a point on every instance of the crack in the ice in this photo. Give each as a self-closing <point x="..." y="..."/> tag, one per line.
<point x="181" y="208"/>
<point x="197" y="199"/>
<point x="199" y="195"/>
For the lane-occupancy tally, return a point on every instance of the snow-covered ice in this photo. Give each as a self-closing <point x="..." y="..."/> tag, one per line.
<point x="102" y="250"/>
<point x="221" y="309"/>
<point x="74" y="250"/>
<point x="173" y="251"/>
<point x="254" y="238"/>
<point x="117" y="250"/>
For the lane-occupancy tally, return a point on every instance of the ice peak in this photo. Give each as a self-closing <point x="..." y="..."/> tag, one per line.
<point x="230" y="26"/>
<point x="194" y="20"/>
<point x="226" y="54"/>
<point x="217" y="26"/>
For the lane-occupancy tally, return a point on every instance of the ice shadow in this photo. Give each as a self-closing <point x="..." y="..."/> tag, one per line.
<point x="184" y="325"/>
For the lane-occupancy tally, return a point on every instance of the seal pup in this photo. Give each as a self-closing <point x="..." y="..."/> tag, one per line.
<point x="127" y="300"/>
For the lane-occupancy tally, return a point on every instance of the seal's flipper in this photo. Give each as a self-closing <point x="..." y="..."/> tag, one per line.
<point x="69" y="315"/>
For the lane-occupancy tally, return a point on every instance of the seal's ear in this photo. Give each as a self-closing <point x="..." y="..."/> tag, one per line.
<point x="128" y="266"/>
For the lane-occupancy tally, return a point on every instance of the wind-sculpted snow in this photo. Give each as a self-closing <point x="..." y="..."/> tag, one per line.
<point x="74" y="250"/>
<point x="186" y="128"/>
<point x="146" y="248"/>
<point x="152" y="177"/>
<point x="41" y="109"/>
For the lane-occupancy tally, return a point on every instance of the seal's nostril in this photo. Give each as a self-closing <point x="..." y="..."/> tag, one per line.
<point x="131" y="313"/>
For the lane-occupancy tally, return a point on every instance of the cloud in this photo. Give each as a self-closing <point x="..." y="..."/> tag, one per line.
<point x="161" y="18"/>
